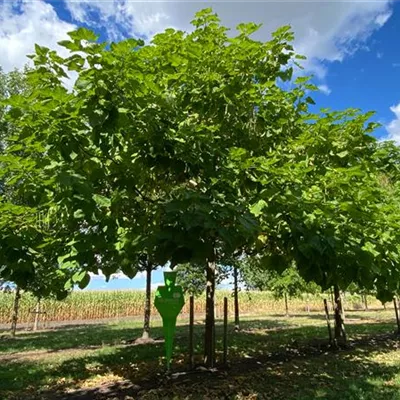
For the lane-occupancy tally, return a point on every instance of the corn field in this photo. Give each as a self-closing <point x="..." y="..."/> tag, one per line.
<point x="91" y="305"/>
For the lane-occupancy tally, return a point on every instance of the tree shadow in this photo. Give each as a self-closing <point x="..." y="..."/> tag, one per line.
<point x="272" y="364"/>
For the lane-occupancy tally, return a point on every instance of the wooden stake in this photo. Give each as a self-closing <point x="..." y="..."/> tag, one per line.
<point x="236" y="297"/>
<point x="225" y="339"/>
<point x="397" y="314"/>
<point x="328" y="322"/>
<point x="37" y="312"/>
<point x="191" y="323"/>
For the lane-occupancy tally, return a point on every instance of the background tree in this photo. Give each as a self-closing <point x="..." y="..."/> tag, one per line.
<point x="282" y="285"/>
<point x="342" y="226"/>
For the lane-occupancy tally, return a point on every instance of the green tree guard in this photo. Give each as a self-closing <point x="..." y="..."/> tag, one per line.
<point x="169" y="301"/>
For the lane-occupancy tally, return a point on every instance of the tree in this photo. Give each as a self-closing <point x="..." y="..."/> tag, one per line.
<point x="343" y="226"/>
<point x="196" y="133"/>
<point x="283" y="285"/>
<point x="167" y="130"/>
<point x="21" y="232"/>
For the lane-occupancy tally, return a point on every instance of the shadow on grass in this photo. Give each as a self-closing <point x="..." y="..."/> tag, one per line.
<point x="273" y="364"/>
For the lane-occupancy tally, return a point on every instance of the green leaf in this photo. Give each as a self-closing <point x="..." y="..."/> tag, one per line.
<point x="78" y="276"/>
<point x="83" y="34"/>
<point x="40" y="50"/>
<point x="309" y="100"/>
<point x="78" y="214"/>
<point x="73" y="46"/>
<point x="102" y="201"/>
<point x="257" y="208"/>
<point x="129" y="271"/>
<point x="84" y="281"/>
<point x="343" y="153"/>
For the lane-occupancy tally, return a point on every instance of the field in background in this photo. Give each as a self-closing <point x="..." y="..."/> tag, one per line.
<point x="92" y="305"/>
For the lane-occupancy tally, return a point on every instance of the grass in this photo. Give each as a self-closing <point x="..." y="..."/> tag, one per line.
<point x="270" y="358"/>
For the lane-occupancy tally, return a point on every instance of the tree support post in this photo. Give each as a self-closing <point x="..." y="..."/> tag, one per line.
<point x="328" y="322"/>
<point x="225" y="340"/>
<point x="209" y="337"/>
<point x="396" y="310"/>
<point x="191" y="324"/>
<point x="37" y="312"/>
<point x="236" y="297"/>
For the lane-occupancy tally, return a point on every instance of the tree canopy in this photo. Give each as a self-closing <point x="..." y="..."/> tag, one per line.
<point x="190" y="149"/>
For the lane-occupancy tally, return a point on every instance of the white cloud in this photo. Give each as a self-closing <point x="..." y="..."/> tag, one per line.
<point x="22" y="24"/>
<point x="139" y="275"/>
<point x="325" y="30"/>
<point x="393" y="127"/>
<point x="325" y="89"/>
<point x="381" y="19"/>
<point x="155" y="285"/>
<point x="379" y="54"/>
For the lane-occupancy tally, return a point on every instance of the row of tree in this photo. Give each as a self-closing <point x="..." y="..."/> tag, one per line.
<point x="197" y="148"/>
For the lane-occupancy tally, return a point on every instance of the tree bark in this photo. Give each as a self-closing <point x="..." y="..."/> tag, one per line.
<point x="340" y="332"/>
<point x="343" y="305"/>
<point x="14" y="319"/>
<point x="209" y="336"/>
<point x="365" y="303"/>
<point x="286" y="305"/>
<point x="236" y="297"/>
<point x="332" y="300"/>
<point x="147" y="305"/>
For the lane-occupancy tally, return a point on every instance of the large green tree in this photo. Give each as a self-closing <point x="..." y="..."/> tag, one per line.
<point x="190" y="150"/>
<point x="161" y="130"/>
<point x="340" y="223"/>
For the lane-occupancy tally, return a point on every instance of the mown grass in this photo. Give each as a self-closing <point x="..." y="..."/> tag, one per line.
<point x="270" y="358"/>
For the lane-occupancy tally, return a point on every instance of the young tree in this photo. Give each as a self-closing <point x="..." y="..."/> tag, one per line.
<point x="284" y="285"/>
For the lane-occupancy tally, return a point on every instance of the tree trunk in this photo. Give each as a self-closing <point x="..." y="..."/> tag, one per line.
<point x="14" y="319"/>
<point x="343" y="305"/>
<point x="286" y="305"/>
<point x="209" y="336"/>
<point x="332" y="300"/>
<point x="236" y="297"/>
<point x="340" y="332"/>
<point x="365" y="303"/>
<point x="147" y="305"/>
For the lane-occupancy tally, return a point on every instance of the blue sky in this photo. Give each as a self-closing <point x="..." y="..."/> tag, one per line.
<point x="352" y="47"/>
